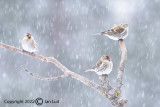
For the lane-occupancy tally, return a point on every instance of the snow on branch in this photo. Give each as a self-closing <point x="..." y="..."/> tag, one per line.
<point x="122" y="65"/>
<point x="105" y="89"/>
<point x="43" y="78"/>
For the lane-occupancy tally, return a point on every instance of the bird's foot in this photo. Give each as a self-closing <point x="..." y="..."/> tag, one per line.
<point x="24" y="50"/>
<point x="28" y="52"/>
<point x="120" y="40"/>
<point x="32" y="53"/>
<point x="102" y="78"/>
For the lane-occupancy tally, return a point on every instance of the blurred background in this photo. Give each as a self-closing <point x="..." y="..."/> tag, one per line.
<point x="63" y="29"/>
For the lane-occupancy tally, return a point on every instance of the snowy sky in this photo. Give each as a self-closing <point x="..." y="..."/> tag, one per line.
<point x="63" y="29"/>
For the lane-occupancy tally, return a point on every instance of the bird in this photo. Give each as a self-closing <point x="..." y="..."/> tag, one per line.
<point x="117" y="32"/>
<point x="29" y="44"/>
<point x="103" y="67"/>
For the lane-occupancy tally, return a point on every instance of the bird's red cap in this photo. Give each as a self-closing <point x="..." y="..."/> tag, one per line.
<point x="107" y="56"/>
<point x="27" y="33"/>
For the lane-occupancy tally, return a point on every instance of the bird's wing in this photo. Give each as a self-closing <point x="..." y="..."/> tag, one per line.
<point x="99" y="62"/>
<point x="119" y="29"/>
<point x="115" y="30"/>
<point x="102" y="66"/>
<point x="34" y="44"/>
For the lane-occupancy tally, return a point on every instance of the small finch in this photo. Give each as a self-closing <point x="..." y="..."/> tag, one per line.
<point x="103" y="67"/>
<point x="28" y="43"/>
<point x="117" y="32"/>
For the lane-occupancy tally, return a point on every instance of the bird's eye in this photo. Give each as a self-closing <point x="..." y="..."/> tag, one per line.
<point x="29" y="36"/>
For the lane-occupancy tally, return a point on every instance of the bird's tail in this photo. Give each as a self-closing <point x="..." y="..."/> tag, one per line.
<point x="103" y="33"/>
<point x="88" y="70"/>
<point x="96" y="34"/>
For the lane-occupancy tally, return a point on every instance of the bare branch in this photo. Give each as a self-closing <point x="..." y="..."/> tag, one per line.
<point x="57" y="63"/>
<point x="43" y="78"/>
<point x="122" y="65"/>
<point x="106" y="89"/>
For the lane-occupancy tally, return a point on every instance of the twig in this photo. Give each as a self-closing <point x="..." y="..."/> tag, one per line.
<point x="57" y="63"/>
<point x="122" y="65"/>
<point x="43" y="78"/>
<point x="108" y="90"/>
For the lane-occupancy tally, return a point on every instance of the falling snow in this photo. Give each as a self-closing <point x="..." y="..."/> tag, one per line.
<point x="63" y="29"/>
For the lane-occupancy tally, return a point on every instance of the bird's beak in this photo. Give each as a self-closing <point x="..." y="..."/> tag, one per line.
<point x="29" y="36"/>
<point x="109" y="59"/>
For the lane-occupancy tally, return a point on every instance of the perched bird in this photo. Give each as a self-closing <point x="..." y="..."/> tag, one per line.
<point x="28" y="43"/>
<point x="103" y="67"/>
<point x="117" y="32"/>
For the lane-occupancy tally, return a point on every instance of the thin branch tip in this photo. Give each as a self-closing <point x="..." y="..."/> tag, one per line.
<point x="43" y="78"/>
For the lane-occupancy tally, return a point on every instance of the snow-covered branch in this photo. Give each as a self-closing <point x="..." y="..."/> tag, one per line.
<point x="105" y="89"/>
<point x="43" y="78"/>
<point x="122" y="65"/>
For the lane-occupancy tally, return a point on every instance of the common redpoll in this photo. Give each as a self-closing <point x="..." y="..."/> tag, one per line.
<point x="28" y="43"/>
<point x="103" y="67"/>
<point x="117" y="32"/>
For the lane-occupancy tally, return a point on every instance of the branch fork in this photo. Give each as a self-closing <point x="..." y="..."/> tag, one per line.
<point x="105" y="89"/>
